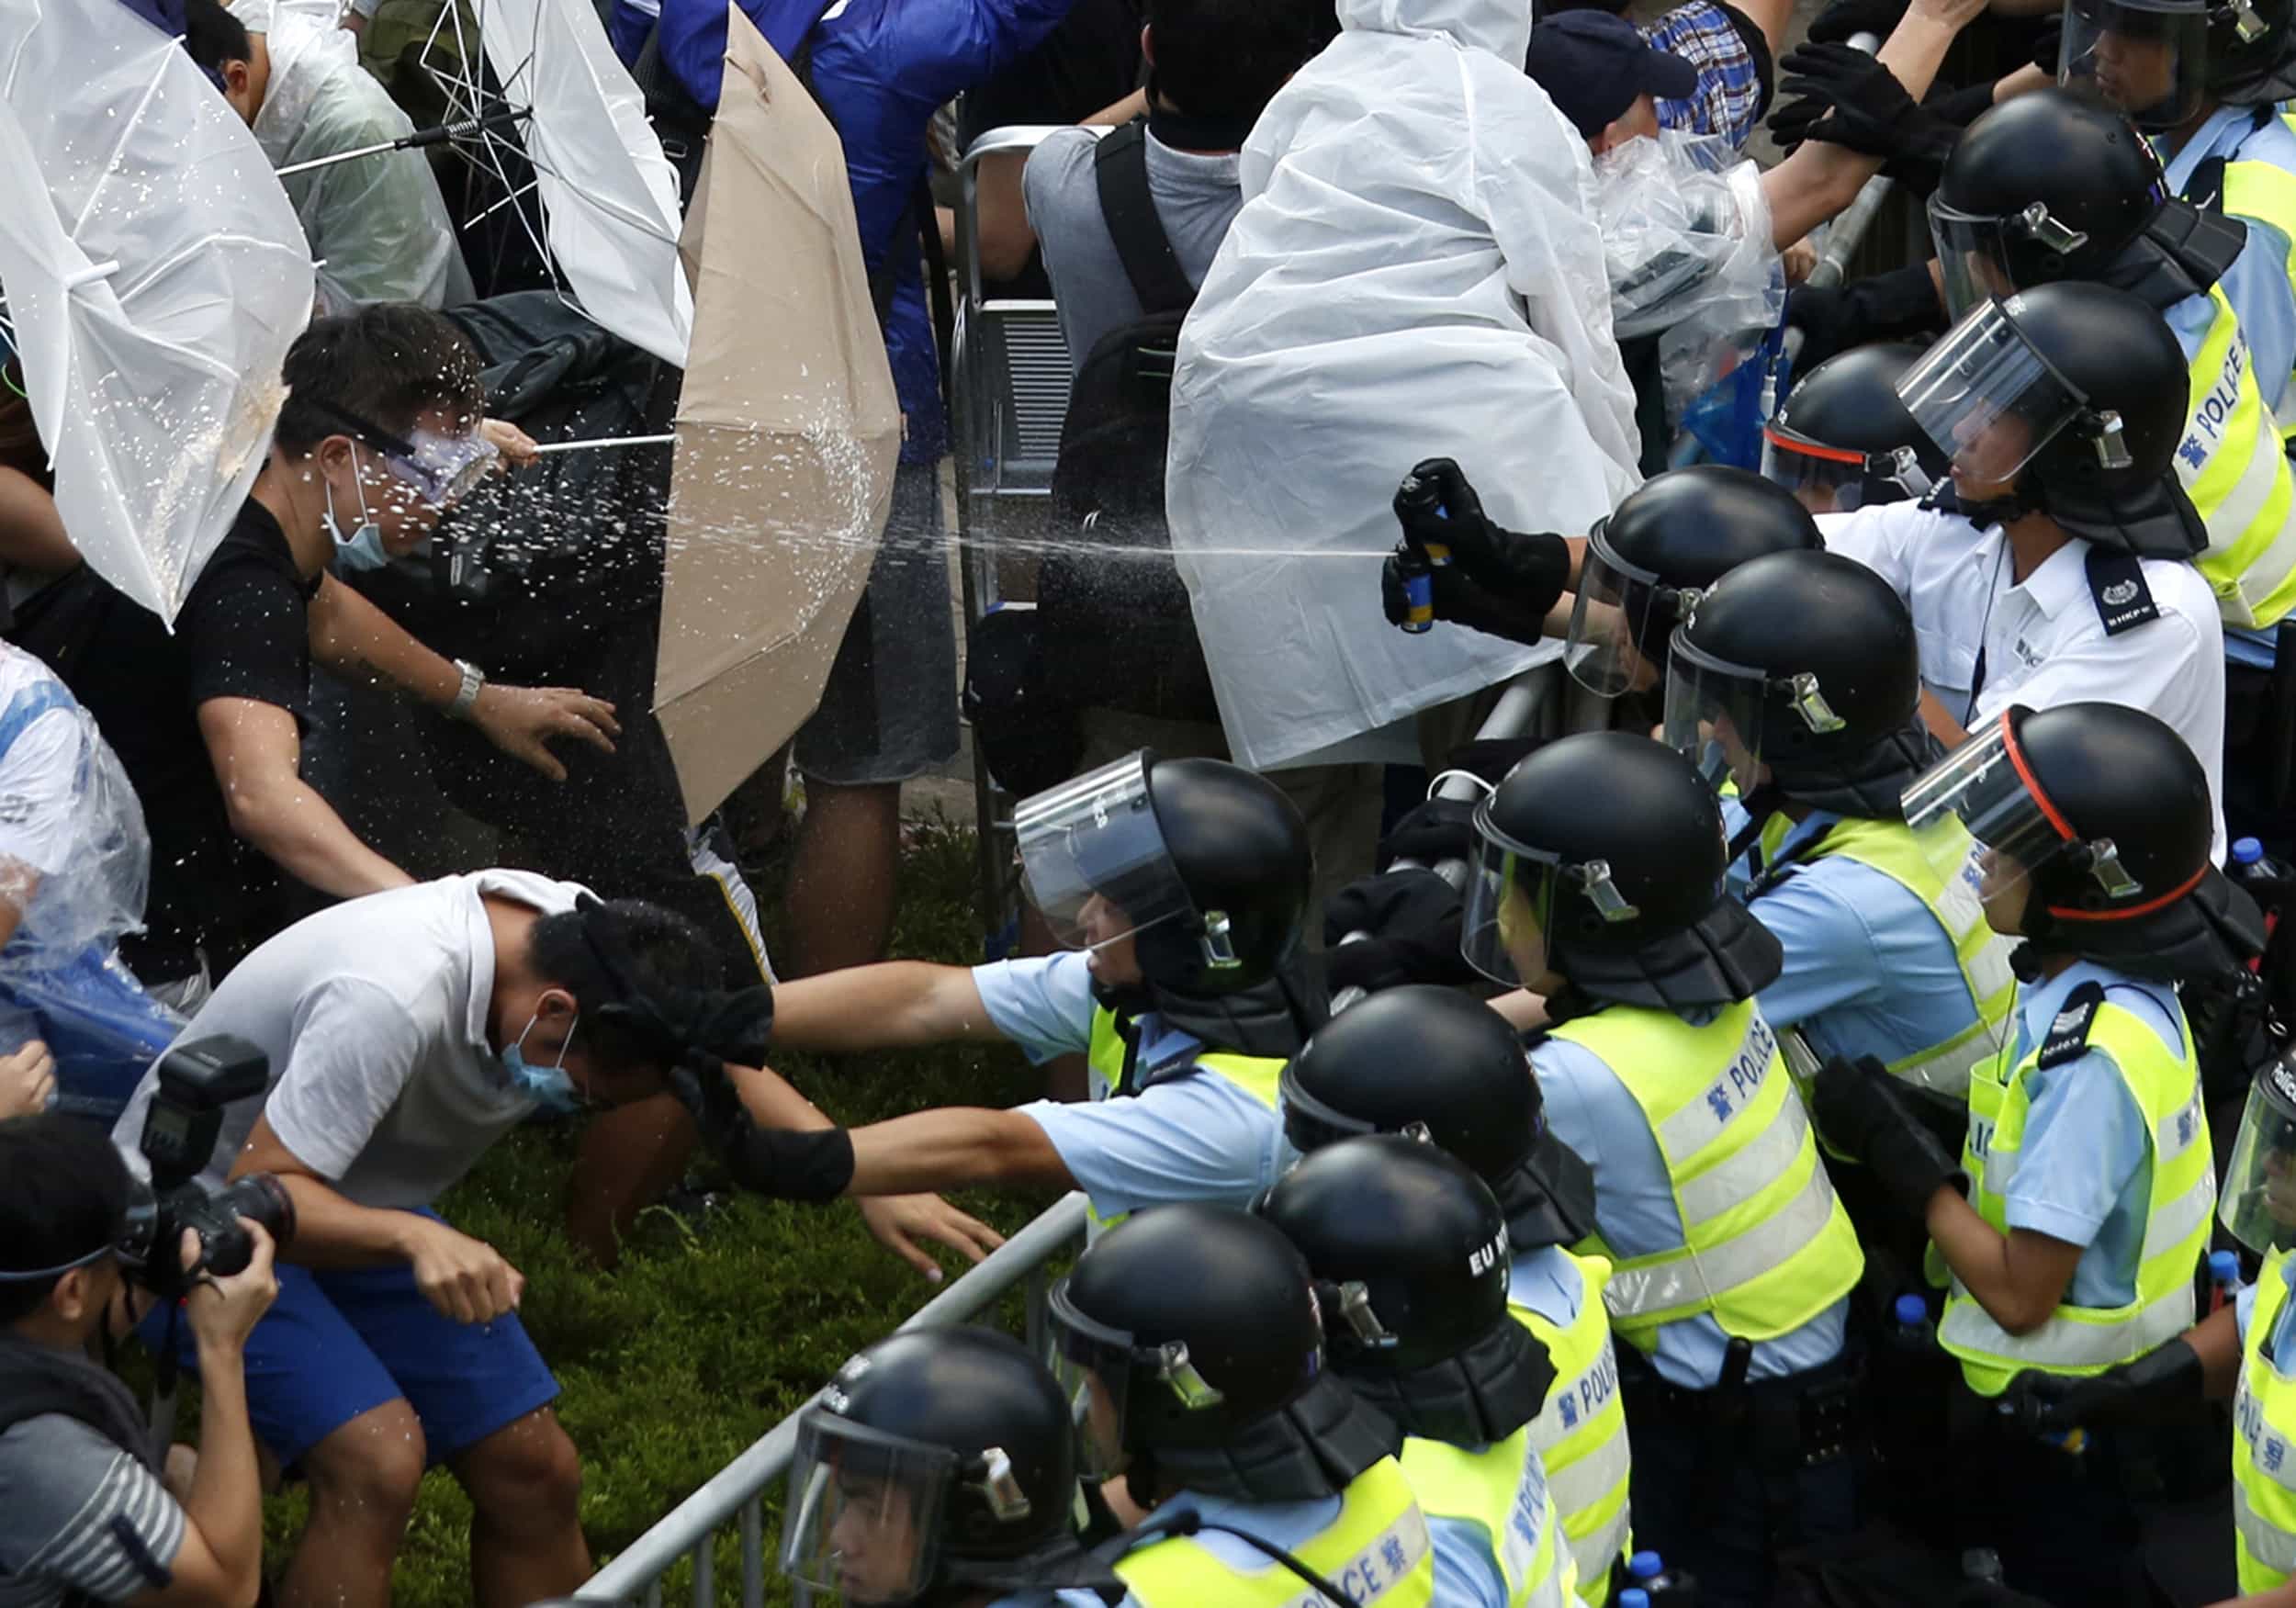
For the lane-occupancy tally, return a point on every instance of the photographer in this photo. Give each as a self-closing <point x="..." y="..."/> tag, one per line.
<point x="405" y="1032"/>
<point x="83" y="1512"/>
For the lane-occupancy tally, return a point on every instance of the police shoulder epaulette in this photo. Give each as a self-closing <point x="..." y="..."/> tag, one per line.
<point x="2068" y="1031"/>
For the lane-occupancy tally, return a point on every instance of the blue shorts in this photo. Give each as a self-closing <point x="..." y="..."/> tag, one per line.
<point x="341" y="1342"/>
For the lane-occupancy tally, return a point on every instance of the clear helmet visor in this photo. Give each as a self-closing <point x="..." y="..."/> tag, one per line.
<point x="1988" y="397"/>
<point x="2257" y="1204"/>
<point x="2147" y="63"/>
<point x="1972" y="255"/>
<point x="865" y="1513"/>
<point x="1611" y="620"/>
<point x="1510" y="909"/>
<point x="1714" y="716"/>
<point x="1094" y="1366"/>
<point x="1092" y="857"/>
<point x="1832" y="479"/>
<point x="1984" y="786"/>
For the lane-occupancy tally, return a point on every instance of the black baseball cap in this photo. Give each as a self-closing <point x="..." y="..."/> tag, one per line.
<point x="1593" y="66"/>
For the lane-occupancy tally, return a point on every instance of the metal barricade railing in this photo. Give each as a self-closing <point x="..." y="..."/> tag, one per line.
<point x="735" y="1495"/>
<point x="1010" y="382"/>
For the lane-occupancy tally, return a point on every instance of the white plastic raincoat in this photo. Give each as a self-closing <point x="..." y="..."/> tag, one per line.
<point x="377" y="225"/>
<point x="1417" y="272"/>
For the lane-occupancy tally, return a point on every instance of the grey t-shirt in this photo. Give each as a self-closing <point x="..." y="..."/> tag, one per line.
<point x="1197" y="197"/>
<point x="78" y="1513"/>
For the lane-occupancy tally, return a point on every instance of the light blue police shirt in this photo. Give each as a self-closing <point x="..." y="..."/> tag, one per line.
<point x="2256" y="285"/>
<point x="2084" y="1174"/>
<point x="1868" y="969"/>
<point x="1183" y="1138"/>
<point x="1589" y="1109"/>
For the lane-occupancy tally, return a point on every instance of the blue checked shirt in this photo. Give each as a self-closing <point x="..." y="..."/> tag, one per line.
<point x="1728" y="99"/>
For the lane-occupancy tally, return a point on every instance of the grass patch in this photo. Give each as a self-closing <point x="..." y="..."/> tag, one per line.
<point x="709" y="1332"/>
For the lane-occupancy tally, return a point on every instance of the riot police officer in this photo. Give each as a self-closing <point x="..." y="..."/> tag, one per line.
<point x="1599" y="881"/>
<point x="1631" y="578"/>
<point x="1409" y="1250"/>
<point x="2087" y="1158"/>
<point x="1796" y="680"/>
<point x="938" y="1468"/>
<point x="1470" y="1089"/>
<point x="1843" y="441"/>
<point x="1182" y="886"/>
<point x="1189" y="1340"/>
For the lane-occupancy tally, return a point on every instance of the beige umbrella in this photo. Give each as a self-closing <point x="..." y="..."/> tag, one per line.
<point x="788" y="429"/>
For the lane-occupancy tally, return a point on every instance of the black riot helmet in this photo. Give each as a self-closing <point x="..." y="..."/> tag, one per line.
<point x="1804" y="663"/>
<point x="2076" y="395"/>
<point x="1423" y="1059"/>
<point x="1601" y="858"/>
<point x="1843" y="441"/>
<point x="2103" y="814"/>
<point x="1409" y="1250"/>
<point x="1206" y="865"/>
<point x="1645" y="565"/>
<point x="936" y="1462"/>
<point x="2042" y="187"/>
<point x="2252" y="51"/>
<point x="1189" y="1338"/>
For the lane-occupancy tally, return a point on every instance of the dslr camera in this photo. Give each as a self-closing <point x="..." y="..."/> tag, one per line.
<point x="180" y="1130"/>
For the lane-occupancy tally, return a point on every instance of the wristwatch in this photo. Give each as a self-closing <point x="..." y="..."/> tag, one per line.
<point x="473" y="677"/>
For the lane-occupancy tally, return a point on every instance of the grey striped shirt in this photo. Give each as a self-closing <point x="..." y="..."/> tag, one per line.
<point x="78" y="1511"/>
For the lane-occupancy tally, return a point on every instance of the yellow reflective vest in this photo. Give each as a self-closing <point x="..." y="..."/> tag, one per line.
<point x="2234" y="464"/>
<point x="2263" y="1451"/>
<point x="1257" y="1075"/>
<point x="1912" y="860"/>
<point x="2088" y="1340"/>
<point x="1580" y="1433"/>
<point x="1502" y="1491"/>
<point x="1767" y="1245"/>
<point x="1377" y="1551"/>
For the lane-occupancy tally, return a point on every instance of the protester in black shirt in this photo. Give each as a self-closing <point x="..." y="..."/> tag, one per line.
<point x="380" y="431"/>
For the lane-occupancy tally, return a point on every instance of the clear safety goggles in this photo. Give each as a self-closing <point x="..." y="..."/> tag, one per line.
<point x="440" y="469"/>
<point x="2148" y="62"/>
<point x="1095" y="860"/>
<point x="2258" y="1203"/>
<point x="1987" y="785"/>
<point x="1618" y="608"/>
<point x="1833" y="479"/>
<point x="866" y="1508"/>
<point x="1990" y="400"/>
<point x="1096" y="1365"/>
<point x="1715" y="711"/>
<point x="1512" y="892"/>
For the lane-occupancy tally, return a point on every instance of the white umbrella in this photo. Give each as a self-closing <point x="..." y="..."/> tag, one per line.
<point x="608" y="197"/>
<point x="155" y="276"/>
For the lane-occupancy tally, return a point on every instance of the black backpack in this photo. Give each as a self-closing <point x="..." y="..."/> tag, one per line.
<point x="1113" y="626"/>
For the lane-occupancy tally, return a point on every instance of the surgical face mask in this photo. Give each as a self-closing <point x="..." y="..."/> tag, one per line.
<point x="548" y="1086"/>
<point x="363" y="548"/>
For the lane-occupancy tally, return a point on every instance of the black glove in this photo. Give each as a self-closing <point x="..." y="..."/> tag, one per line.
<point x="1416" y="920"/>
<point x="1846" y="97"/>
<point x="2161" y="1387"/>
<point x="2048" y="45"/>
<point x="1844" y="18"/>
<point x="1867" y="1114"/>
<point x="1961" y="107"/>
<point x="1431" y="833"/>
<point x="1900" y="305"/>
<point x="1456" y="600"/>
<point x="1528" y="569"/>
<point x="786" y="1165"/>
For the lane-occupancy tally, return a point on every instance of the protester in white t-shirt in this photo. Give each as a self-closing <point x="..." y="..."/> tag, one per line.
<point x="407" y="1032"/>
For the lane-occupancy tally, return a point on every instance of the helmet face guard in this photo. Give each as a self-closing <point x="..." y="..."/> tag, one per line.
<point x="1513" y="894"/>
<point x="1832" y="480"/>
<point x="1095" y="1366"/>
<point x="1716" y="711"/>
<point x="1094" y="859"/>
<point x="1980" y="258"/>
<point x="2258" y="1203"/>
<point x="867" y="1508"/>
<point x="1620" y="614"/>
<point x="2147" y="62"/>
<point x="1989" y="397"/>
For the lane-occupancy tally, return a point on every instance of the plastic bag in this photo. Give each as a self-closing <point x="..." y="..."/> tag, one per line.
<point x="106" y="868"/>
<point x="1687" y="237"/>
<point x="97" y="1021"/>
